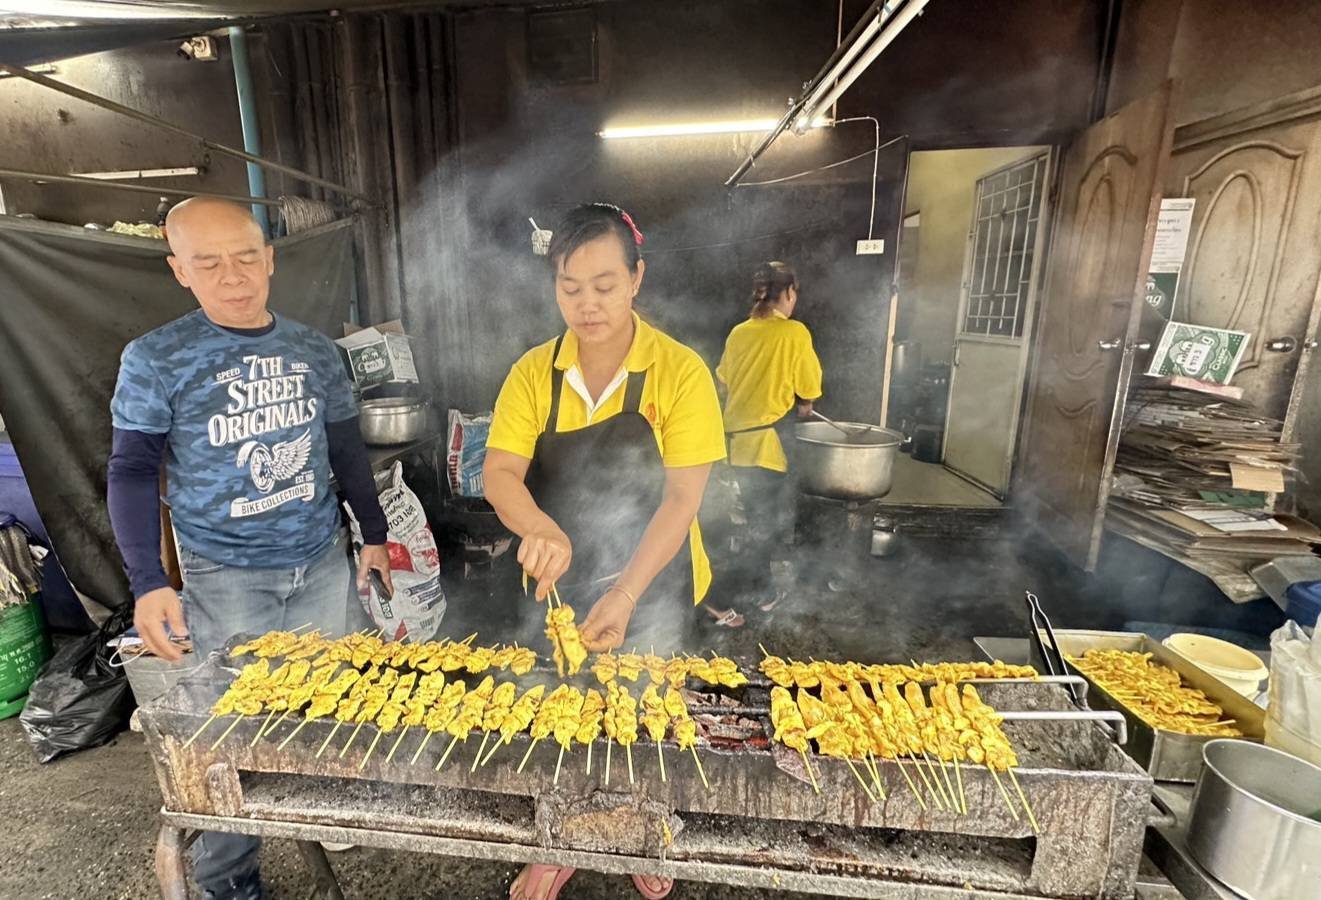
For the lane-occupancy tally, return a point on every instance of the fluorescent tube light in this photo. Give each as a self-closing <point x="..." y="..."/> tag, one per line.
<point x="680" y="129"/>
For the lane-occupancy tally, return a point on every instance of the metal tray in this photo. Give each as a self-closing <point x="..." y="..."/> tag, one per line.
<point x="1166" y="755"/>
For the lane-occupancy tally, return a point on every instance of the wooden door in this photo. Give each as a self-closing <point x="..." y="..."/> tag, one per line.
<point x="1252" y="262"/>
<point x="1108" y="199"/>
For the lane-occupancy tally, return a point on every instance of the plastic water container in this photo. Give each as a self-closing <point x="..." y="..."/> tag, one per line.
<point x="1241" y="669"/>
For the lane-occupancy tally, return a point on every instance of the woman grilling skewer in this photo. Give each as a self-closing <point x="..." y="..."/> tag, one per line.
<point x="600" y="447"/>
<point x="771" y="376"/>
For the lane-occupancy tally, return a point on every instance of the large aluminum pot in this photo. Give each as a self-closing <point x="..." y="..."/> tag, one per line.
<point x="856" y="467"/>
<point x="392" y="420"/>
<point x="1256" y="821"/>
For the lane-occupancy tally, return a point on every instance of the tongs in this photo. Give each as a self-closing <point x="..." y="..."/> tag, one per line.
<point x="1052" y="657"/>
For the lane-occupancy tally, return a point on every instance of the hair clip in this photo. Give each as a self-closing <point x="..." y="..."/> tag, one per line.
<point x="628" y="220"/>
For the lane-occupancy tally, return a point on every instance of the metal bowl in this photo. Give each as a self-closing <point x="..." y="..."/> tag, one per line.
<point x="1256" y="821"/>
<point x="392" y="420"/>
<point x="857" y="467"/>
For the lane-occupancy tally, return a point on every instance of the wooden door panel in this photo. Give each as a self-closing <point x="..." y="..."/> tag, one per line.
<point x="1251" y="263"/>
<point x="1108" y="198"/>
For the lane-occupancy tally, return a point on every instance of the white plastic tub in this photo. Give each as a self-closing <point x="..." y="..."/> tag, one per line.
<point x="1241" y="669"/>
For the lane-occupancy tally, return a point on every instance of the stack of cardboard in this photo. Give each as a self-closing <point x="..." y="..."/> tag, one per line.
<point x="1196" y="478"/>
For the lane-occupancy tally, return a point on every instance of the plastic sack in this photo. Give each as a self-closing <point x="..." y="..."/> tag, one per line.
<point x="466" y="453"/>
<point x="418" y="605"/>
<point x="1294" y="710"/>
<point x="79" y="700"/>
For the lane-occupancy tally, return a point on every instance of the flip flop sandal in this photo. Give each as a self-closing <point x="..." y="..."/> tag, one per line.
<point x="535" y="874"/>
<point x="731" y="618"/>
<point x="640" y="883"/>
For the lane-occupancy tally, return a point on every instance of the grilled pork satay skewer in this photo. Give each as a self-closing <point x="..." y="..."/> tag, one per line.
<point x="685" y="729"/>
<point x="569" y="651"/>
<point x="439" y="715"/>
<point x="790" y="729"/>
<point x="270" y="693"/>
<point x="832" y="735"/>
<point x="225" y="705"/>
<point x="591" y="717"/>
<point x="605" y="668"/>
<point x="950" y="721"/>
<point x="469" y="717"/>
<point x="391" y="712"/>
<point x="427" y="692"/>
<point x="916" y="701"/>
<point x="519" y="718"/>
<point x="501" y="702"/>
<point x="372" y="702"/>
<point x="629" y="666"/>
<point x="324" y="700"/>
<point x="347" y="709"/>
<point x="300" y="695"/>
<point x="626" y="724"/>
<point x="655" y="720"/>
<point x="567" y="723"/>
<point x="906" y="734"/>
<point x="891" y="741"/>
<point x="999" y="753"/>
<point x="543" y="722"/>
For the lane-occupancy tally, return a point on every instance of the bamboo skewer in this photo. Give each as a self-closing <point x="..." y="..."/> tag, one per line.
<point x="810" y="774"/>
<point x="297" y="729"/>
<point x="935" y="779"/>
<point x="420" y="747"/>
<point x="628" y="749"/>
<point x="498" y="745"/>
<point x="700" y="771"/>
<point x="917" y="795"/>
<point x="858" y="775"/>
<point x="530" y="748"/>
<point x="1027" y="807"/>
<point x="876" y="775"/>
<point x="486" y="735"/>
<point x="352" y="738"/>
<point x="198" y="732"/>
<point x="926" y="782"/>
<point x="608" y="746"/>
<point x="301" y="627"/>
<point x="589" y="759"/>
<point x="278" y="723"/>
<point x="231" y="727"/>
<point x="958" y="776"/>
<point x="949" y="785"/>
<point x="1003" y="793"/>
<point x="559" y="759"/>
<point x="660" y="754"/>
<point x="326" y="742"/>
<point x="397" y="741"/>
<point x="446" y="754"/>
<point x="262" y="728"/>
<point x="376" y="740"/>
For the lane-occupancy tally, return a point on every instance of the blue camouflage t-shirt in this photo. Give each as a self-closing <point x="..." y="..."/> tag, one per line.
<point x="245" y="420"/>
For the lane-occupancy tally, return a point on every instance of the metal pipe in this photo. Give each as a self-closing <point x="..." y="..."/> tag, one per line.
<point x="1118" y="724"/>
<point x="112" y="106"/>
<point x="886" y="37"/>
<point x="135" y="188"/>
<point x="238" y="50"/>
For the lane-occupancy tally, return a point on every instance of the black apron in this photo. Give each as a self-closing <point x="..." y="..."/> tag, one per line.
<point x="602" y="484"/>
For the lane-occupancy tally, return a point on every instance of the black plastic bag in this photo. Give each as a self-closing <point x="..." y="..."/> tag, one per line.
<point x="79" y="700"/>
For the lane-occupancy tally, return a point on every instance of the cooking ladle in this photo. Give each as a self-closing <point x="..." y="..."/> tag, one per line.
<point x="850" y="433"/>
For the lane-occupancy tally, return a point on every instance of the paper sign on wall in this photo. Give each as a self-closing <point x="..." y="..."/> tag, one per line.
<point x="1173" y="226"/>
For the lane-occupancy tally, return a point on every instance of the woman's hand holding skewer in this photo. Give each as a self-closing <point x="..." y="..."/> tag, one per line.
<point x="545" y="554"/>
<point x="603" y="629"/>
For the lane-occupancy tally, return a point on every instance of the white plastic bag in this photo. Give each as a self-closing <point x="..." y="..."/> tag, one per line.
<point x="1293" y="716"/>
<point x="418" y="605"/>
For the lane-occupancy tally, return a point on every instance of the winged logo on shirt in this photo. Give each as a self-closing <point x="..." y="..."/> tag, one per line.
<point x="271" y="465"/>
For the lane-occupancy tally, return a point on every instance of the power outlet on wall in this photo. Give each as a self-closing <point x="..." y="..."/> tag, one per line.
<point x="867" y="248"/>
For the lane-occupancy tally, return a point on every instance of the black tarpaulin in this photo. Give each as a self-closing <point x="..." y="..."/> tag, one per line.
<point x="69" y="301"/>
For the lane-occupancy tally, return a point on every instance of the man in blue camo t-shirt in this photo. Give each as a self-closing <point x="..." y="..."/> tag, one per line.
<point x="251" y="414"/>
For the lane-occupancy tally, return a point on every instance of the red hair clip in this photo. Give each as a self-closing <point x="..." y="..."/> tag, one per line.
<point x="628" y="220"/>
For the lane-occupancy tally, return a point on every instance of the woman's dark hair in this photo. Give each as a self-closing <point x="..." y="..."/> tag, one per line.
<point x="586" y="223"/>
<point x="769" y="283"/>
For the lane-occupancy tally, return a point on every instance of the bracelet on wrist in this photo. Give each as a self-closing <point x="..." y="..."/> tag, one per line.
<point x="632" y="601"/>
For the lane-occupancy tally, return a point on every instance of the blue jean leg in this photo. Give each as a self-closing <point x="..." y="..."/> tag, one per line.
<point x="222" y="601"/>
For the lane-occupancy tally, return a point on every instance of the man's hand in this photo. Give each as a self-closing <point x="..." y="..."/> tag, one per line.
<point x="377" y="557"/>
<point x="152" y="612"/>
<point x="545" y="554"/>
<point x="604" y="628"/>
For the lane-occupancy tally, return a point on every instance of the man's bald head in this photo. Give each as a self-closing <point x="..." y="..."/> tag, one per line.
<point x="219" y="252"/>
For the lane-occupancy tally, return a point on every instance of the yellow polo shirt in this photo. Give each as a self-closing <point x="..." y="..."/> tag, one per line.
<point x="678" y="399"/>
<point x="767" y="362"/>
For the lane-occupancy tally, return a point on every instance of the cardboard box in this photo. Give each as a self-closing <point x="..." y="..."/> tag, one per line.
<point x="379" y="354"/>
<point x="1198" y="351"/>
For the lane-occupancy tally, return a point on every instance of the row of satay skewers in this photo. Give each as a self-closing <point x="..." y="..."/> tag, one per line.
<point x="898" y="724"/>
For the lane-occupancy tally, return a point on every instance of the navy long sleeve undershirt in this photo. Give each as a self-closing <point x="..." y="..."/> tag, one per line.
<point x="133" y="495"/>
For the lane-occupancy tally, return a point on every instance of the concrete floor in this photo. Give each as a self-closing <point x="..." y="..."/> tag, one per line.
<point x="919" y="483"/>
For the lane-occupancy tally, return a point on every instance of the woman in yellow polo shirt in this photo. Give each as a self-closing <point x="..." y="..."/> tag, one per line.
<point x="600" y="446"/>
<point x="770" y="371"/>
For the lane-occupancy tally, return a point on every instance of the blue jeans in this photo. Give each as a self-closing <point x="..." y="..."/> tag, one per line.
<point x="221" y="601"/>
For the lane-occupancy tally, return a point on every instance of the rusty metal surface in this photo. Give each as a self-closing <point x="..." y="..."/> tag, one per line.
<point x="1090" y="799"/>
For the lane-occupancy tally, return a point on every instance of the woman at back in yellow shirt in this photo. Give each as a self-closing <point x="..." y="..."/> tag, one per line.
<point x="770" y="372"/>
<point x="600" y="447"/>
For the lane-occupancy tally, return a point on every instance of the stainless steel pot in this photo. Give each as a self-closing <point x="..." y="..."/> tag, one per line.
<point x="392" y="420"/>
<point x="859" y="467"/>
<point x="1256" y="821"/>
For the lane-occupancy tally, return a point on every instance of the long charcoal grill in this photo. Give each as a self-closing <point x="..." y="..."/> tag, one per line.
<point x="760" y="823"/>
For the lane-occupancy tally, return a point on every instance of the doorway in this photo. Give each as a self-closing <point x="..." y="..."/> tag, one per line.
<point x="969" y="269"/>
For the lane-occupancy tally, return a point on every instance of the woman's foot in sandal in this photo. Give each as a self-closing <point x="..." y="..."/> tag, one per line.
<point x="729" y="618"/>
<point x="538" y="882"/>
<point x="653" y="887"/>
